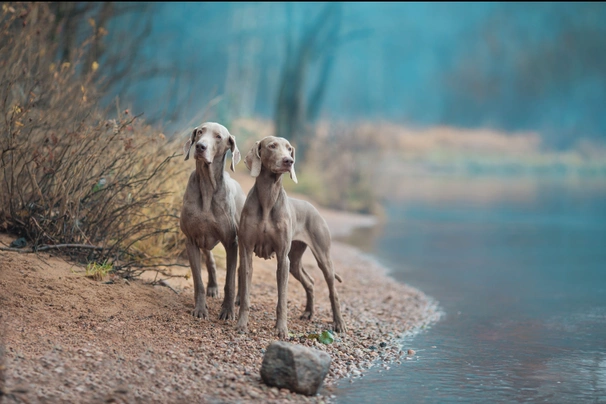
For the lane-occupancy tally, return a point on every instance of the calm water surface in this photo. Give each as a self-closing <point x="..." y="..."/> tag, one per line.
<point x="519" y="270"/>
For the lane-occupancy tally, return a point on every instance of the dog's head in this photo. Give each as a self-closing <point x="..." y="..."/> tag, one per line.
<point x="275" y="154"/>
<point x="211" y="140"/>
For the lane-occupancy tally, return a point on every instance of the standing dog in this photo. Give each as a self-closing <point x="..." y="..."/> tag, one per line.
<point x="273" y="223"/>
<point x="210" y="214"/>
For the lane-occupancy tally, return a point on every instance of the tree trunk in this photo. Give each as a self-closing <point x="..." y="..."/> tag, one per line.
<point x="317" y="96"/>
<point x="291" y="111"/>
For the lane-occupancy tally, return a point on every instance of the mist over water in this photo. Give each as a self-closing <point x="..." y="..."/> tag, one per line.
<point x="507" y="66"/>
<point x="521" y="280"/>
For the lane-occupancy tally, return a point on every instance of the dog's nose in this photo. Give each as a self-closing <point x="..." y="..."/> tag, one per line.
<point x="200" y="147"/>
<point x="287" y="161"/>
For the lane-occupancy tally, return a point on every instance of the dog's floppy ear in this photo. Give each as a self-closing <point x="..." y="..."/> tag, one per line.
<point x="293" y="176"/>
<point x="253" y="160"/>
<point x="188" y="144"/>
<point x="235" y="153"/>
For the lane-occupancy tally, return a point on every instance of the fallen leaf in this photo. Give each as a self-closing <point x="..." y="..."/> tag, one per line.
<point x="326" y="337"/>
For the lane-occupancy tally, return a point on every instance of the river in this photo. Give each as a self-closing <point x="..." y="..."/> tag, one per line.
<point x="519" y="269"/>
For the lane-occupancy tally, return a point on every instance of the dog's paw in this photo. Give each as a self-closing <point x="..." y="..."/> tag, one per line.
<point x="307" y="315"/>
<point x="227" y="313"/>
<point x="339" y="326"/>
<point x="241" y="329"/>
<point x="212" y="291"/>
<point x="200" y="313"/>
<point x="282" y="332"/>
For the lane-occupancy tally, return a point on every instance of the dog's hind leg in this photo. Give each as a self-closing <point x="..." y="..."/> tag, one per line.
<point x="322" y="254"/>
<point x="298" y="272"/>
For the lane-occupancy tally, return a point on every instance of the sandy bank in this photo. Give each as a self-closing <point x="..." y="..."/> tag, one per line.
<point x="68" y="338"/>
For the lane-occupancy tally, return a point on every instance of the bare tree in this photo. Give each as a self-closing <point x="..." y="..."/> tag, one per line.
<point x="111" y="37"/>
<point x="520" y="78"/>
<point x="243" y="71"/>
<point x="318" y="41"/>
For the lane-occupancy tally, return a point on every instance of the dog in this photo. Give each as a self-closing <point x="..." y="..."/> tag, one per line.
<point x="274" y="224"/>
<point x="211" y="210"/>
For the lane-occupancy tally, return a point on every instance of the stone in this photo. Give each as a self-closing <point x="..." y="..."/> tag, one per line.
<point x="294" y="367"/>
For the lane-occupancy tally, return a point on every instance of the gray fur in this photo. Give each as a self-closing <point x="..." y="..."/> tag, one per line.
<point x="274" y="224"/>
<point x="210" y="214"/>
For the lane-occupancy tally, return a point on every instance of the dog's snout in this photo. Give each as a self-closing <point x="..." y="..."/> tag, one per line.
<point x="287" y="161"/>
<point x="200" y="147"/>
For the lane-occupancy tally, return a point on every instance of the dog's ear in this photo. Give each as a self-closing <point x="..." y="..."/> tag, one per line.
<point x="186" y="149"/>
<point x="189" y="143"/>
<point x="235" y="153"/>
<point x="293" y="176"/>
<point x="253" y="159"/>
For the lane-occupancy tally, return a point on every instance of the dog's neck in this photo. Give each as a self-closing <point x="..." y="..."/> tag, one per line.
<point x="269" y="189"/>
<point x="210" y="179"/>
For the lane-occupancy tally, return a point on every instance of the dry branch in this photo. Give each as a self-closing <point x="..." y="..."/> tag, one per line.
<point x="52" y="247"/>
<point x="70" y="178"/>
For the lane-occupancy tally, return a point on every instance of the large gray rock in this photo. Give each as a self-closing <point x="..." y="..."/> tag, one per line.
<point x="295" y="367"/>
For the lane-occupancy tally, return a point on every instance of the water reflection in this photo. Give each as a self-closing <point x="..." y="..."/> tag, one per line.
<point x="520" y="275"/>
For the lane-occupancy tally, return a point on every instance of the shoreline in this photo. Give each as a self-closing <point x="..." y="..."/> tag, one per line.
<point x="69" y="338"/>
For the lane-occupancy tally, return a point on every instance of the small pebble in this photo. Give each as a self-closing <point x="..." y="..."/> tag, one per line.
<point x="383" y="344"/>
<point x="411" y="352"/>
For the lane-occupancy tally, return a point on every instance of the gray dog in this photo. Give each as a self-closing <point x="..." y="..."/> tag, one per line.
<point x="210" y="214"/>
<point x="273" y="223"/>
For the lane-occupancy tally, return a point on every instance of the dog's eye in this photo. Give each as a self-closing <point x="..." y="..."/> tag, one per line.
<point x="272" y="146"/>
<point x="217" y="136"/>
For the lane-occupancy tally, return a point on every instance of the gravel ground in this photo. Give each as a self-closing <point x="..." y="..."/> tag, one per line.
<point x="68" y="338"/>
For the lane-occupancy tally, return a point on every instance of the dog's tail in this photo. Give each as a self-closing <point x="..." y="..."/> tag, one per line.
<point x="337" y="277"/>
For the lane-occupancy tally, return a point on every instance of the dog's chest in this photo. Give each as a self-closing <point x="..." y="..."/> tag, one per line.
<point x="205" y="228"/>
<point x="267" y="239"/>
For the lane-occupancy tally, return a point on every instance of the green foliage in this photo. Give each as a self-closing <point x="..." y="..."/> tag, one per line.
<point x="325" y="337"/>
<point x="98" y="271"/>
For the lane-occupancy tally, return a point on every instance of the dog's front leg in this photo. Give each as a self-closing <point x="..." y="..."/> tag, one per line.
<point x="228" y="309"/>
<point x="212" y="289"/>
<point x="244" y="280"/>
<point x="193" y="253"/>
<point x="282" y="309"/>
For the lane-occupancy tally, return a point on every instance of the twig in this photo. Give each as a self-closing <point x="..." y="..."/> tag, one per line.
<point x="157" y="271"/>
<point x="156" y="265"/>
<point x="53" y="247"/>
<point x="162" y="282"/>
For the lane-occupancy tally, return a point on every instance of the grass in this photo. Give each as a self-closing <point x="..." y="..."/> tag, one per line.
<point x="97" y="271"/>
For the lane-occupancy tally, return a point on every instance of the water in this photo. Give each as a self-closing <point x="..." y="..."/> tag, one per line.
<point x="519" y="268"/>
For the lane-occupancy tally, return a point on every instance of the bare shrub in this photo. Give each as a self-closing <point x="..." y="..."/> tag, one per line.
<point x="340" y="168"/>
<point x="68" y="175"/>
<point x="337" y="171"/>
